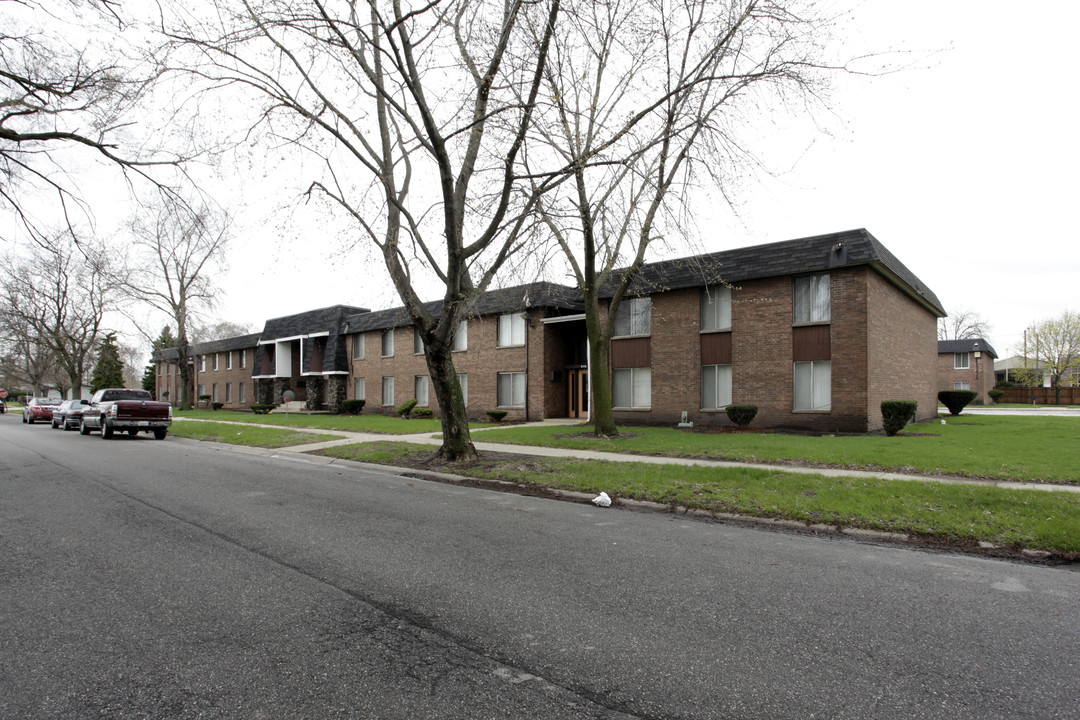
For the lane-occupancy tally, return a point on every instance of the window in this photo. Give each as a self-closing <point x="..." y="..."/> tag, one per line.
<point x="961" y="361"/>
<point x="461" y="337"/>
<point x="358" y="348"/>
<point x="715" y="308"/>
<point x="201" y="391"/>
<point x="963" y="385"/>
<point x="634" y="317"/>
<point x="243" y="391"/>
<point x="213" y="397"/>
<point x="511" y="390"/>
<point x="631" y="387"/>
<point x="812" y="298"/>
<point x="228" y="392"/>
<point x="243" y="360"/>
<point x="511" y="330"/>
<point x="217" y="357"/>
<point x="388" y="342"/>
<point x="359" y="389"/>
<point x="813" y="385"/>
<point x="421" y="394"/>
<point x="202" y="363"/>
<point x="418" y="342"/>
<point x="388" y="391"/>
<point x="228" y="360"/>
<point x="463" y="381"/>
<point x="715" y="386"/>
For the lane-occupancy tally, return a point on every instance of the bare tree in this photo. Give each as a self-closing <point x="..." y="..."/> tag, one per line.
<point x="176" y="248"/>
<point x="1052" y="349"/>
<point x="644" y="100"/>
<point x="219" y="330"/>
<point x="60" y="299"/>
<point x="962" y="325"/>
<point x="418" y="114"/>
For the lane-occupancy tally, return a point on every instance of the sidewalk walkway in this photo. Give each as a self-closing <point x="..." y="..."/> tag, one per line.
<point x="538" y="451"/>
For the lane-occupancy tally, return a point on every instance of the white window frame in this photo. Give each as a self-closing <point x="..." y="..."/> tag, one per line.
<point x="633" y="318"/>
<point x="518" y="389"/>
<point x="715" y="308"/>
<point x="217" y="361"/>
<point x="961" y="361"/>
<point x="640" y="388"/>
<point x="243" y="393"/>
<point x="243" y="360"/>
<point x="511" y="330"/>
<point x="418" y="342"/>
<point x="359" y="346"/>
<point x="388" y="381"/>
<point x="359" y="389"/>
<point x="961" y="385"/>
<point x="461" y="337"/>
<point x="228" y="360"/>
<point x="812" y="299"/>
<point x="720" y="395"/>
<point x="420" y="387"/>
<point x="388" y="342"/>
<point x="819" y="375"/>
<point x="202" y="363"/>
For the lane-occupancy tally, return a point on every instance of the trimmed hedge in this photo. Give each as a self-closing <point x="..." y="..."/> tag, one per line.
<point x="996" y="394"/>
<point x="897" y="414"/>
<point x="496" y="415"/>
<point x="742" y="415"/>
<point x="352" y="407"/>
<point x="423" y="412"/>
<point x="405" y="409"/>
<point x="261" y="408"/>
<point x="217" y="405"/>
<point x="956" y="400"/>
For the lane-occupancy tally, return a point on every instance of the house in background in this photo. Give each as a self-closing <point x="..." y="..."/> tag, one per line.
<point x="816" y="332"/>
<point x="967" y="365"/>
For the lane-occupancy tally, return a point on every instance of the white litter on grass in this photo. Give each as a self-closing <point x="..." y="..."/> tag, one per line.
<point x="602" y="500"/>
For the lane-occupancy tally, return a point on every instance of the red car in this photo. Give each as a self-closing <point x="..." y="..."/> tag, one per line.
<point x="39" y="408"/>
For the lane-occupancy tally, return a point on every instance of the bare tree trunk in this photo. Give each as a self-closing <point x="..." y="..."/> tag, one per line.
<point x="457" y="442"/>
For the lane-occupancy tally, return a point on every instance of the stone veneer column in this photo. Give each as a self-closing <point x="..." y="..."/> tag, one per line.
<point x="280" y="386"/>
<point x="264" y="392"/>
<point x="315" y="386"/>
<point x="335" y="392"/>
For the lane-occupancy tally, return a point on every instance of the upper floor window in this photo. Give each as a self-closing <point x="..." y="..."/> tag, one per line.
<point x="217" y="357"/>
<point x="228" y="360"/>
<point x="461" y="337"/>
<point x="812" y="298"/>
<point x="388" y="342"/>
<point x="634" y="317"/>
<point x="243" y="360"/>
<point x="202" y="363"/>
<point x="961" y="361"/>
<point x="716" y="308"/>
<point x="358" y="346"/>
<point x="418" y="342"/>
<point x="511" y="330"/>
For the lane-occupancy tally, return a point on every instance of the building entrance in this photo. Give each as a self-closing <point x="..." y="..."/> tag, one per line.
<point x="578" y="393"/>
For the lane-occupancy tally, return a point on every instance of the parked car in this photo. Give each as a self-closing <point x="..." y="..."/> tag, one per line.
<point x="39" y="408"/>
<point x="3" y="407"/>
<point x="132" y="411"/>
<point x="69" y="414"/>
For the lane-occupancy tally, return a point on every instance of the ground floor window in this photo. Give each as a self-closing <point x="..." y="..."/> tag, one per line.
<point x="715" y="386"/>
<point x="463" y="382"/>
<point x="813" y="385"/>
<point x="200" y="392"/>
<point x="359" y="388"/>
<point x="963" y="385"/>
<point x="228" y="392"/>
<point x="214" y="392"/>
<point x="421" y="391"/>
<point x="388" y="391"/>
<point x="511" y="389"/>
<point x="631" y="388"/>
<point x="243" y="392"/>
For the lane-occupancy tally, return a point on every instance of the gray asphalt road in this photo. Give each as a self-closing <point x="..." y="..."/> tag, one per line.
<point x="180" y="580"/>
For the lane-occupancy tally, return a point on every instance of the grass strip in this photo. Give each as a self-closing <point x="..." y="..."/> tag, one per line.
<point x="952" y="513"/>
<point x="385" y="424"/>
<point x="247" y="435"/>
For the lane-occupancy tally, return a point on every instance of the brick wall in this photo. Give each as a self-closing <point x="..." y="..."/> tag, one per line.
<point x="979" y="375"/>
<point x="225" y="377"/>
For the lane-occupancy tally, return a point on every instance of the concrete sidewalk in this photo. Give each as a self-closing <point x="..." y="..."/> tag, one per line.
<point x="351" y="438"/>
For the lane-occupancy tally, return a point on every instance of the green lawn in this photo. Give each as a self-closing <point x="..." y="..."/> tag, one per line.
<point x="1033" y="449"/>
<point x="963" y="514"/>
<point x="246" y="434"/>
<point x="388" y="424"/>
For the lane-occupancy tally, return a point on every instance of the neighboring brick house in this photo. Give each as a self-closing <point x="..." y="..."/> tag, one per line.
<point x="967" y="365"/>
<point x="816" y="332"/>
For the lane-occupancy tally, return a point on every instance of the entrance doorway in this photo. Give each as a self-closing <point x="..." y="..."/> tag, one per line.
<point x="578" y="393"/>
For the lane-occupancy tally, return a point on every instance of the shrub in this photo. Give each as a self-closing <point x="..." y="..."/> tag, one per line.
<point x="742" y="415"/>
<point x="217" y="406"/>
<point x="205" y="397"/>
<point x="996" y="394"/>
<point x="496" y="415"/>
<point x="261" y="408"/>
<point x="423" y="412"/>
<point x="352" y="407"/>
<point x="405" y="409"/>
<point x="956" y="400"/>
<point x="897" y="414"/>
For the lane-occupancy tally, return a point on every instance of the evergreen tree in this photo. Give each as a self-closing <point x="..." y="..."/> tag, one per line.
<point x="109" y="370"/>
<point x="149" y="380"/>
<point x="165" y="340"/>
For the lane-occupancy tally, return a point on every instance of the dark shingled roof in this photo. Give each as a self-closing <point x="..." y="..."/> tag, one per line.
<point x="965" y="345"/>
<point x="326" y="319"/>
<point x="850" y="248"/>
<point x="239" y="342"/>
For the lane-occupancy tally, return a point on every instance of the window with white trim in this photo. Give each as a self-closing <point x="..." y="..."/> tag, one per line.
<point x="634" y="317"/>
<point x="715" y="308"/>
<point x="243" y="360"/>
<point x="388" y="342"/>
<point x="511" y="330"/>
<point x="202" y="363"/>
<point x="358" y="348"/>
<point x="961" y="361"/>
<point x="511" y="389"/>
<point x="421" y="394"/>
<point x="359" y="389"/>
<point x="388" y="390"/>
<point x="418" y="342"/>
<point x="715" y="386"/>
<point x="961" y="385"/>
<point x="631" y="388"/>
<point x="813" y="385"/>
<point x="228" y="360"/>
<point x="243" y="393"/>
<point x="812" y="299"/>
<point x="217" y="357"/>
<point x="461" y="337"/>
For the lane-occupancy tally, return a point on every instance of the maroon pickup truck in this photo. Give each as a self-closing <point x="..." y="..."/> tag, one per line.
<point x="118" y="410"/>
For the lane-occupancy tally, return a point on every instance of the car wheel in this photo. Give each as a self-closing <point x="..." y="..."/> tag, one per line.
<point x="24" y="418"/>
<point x="53" y="424"/>
<point x="159" y="433"/>
<point x="106" y="431"/>
<point x="83" y="429"/>
<point x="67" y="425"/>
<point x="30" y="420"/>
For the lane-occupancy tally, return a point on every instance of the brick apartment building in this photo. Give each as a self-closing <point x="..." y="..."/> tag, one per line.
<point x="967" y="365"/>
<point x="816" y="332"/>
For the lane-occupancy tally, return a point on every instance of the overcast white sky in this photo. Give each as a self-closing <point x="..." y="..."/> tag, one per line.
<point x="964" y="167"/>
